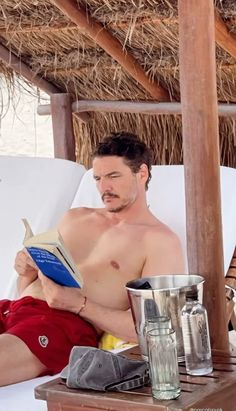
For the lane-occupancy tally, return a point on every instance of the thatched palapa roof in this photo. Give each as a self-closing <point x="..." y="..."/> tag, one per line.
<point x="61" y="52"/>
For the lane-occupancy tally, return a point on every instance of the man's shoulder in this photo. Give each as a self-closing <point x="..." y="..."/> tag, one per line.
<point x="157" y="227"/>
<point x="158" y="232"/>
<point x="164" y="253"/>
<point x="82" y="212"/>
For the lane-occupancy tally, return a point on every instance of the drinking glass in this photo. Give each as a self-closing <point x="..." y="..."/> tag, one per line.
<point x="157" y="322"/>
<point x="163" y="363"/>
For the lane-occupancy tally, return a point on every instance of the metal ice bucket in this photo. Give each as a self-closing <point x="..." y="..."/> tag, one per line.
<point x="161" y="295"/>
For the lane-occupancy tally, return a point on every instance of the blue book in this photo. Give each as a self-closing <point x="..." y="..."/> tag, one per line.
<point x="51" y="257"/>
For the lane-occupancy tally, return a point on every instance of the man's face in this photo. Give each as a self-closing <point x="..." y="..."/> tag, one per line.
<point x="116" y="183"/>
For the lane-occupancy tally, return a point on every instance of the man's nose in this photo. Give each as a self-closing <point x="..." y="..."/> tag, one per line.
<point x="104" y="185"/>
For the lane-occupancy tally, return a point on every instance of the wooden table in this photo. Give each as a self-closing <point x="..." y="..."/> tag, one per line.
<point x="216" y="391"/>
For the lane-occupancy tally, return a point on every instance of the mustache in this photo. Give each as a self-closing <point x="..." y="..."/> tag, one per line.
<point x="109" y="194"/>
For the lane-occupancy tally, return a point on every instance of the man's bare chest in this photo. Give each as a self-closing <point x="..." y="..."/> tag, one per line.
<point x="109" y="240"/>
<point x="119" y="259"/>
<point x="117" y="252"/>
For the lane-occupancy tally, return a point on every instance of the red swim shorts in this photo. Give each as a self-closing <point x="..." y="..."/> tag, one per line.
<point x="50" y="334"/>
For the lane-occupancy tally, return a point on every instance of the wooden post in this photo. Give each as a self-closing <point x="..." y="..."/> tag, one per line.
<point x="201" y="158"/>
<point x="63" y="135"/>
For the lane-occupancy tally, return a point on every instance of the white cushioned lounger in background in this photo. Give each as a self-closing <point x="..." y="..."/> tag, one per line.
<point x="61" y="181"/>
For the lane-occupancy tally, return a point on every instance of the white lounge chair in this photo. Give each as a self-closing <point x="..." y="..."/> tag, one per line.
<point x="42" y="189"/>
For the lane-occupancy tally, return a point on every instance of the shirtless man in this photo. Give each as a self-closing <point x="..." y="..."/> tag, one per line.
<point x="111" y="246"/>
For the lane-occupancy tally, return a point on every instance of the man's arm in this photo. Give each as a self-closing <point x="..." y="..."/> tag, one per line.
<point x="26" y="270"/>
<point x="116" y="322"/>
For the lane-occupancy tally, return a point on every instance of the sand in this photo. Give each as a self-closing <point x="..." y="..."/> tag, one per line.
<point x="22" y="131"/>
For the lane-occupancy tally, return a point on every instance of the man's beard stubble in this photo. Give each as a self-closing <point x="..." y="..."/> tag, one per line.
<point x="119" y="208"/>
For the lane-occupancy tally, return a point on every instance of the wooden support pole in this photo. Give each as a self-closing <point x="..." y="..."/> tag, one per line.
<point x="111" y="45"/>
<point x="201" y="158"/>
<point x="64" y="140"/>
<point x="147" y="107"/>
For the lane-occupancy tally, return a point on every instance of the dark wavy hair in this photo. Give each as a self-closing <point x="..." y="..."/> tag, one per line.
<point x="128" y="146"/>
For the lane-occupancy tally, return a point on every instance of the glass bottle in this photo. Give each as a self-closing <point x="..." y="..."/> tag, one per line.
<point x="197" y="347"/>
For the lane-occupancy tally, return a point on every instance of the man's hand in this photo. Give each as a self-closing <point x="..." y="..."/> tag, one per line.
<point x="25" y="266"/>
<point x="60" y="297"/>
<point x="26" y="269"/>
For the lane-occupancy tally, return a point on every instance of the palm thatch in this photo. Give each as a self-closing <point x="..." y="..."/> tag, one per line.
<point x="56" y="49"/>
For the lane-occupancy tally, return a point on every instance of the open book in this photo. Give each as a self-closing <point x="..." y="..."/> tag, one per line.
<point x="51" y="257"/>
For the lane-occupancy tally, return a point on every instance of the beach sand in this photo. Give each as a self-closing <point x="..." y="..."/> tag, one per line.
<point x="22" y="131"/>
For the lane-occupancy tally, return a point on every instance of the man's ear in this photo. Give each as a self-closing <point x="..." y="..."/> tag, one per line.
<point x="143" y="171"/>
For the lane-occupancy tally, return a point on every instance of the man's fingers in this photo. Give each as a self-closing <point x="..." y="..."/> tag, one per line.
<point x="29" y="260"/>
<point x="23" y="263"/>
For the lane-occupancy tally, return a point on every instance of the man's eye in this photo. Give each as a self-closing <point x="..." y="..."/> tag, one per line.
<point x="96" y="178"/>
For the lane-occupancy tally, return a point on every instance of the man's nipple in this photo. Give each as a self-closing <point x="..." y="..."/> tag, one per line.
<point x="115" y="265"/>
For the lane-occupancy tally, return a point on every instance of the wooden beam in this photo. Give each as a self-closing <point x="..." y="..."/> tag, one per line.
<point x="63" y="135"/>
<point x="111" y="45"/>
<point x="224" y="38"/>
<point x="118" y="107"/>
<point x="201" y="158"/>
<point x="25" y="71"/>
<point x="148" y="107"/>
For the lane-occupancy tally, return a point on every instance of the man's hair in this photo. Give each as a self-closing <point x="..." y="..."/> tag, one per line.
<point x="128" y="146"/>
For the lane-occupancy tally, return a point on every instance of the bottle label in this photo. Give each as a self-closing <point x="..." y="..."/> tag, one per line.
<point x="203" y="332"/>
<point x="195" y="335"/>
